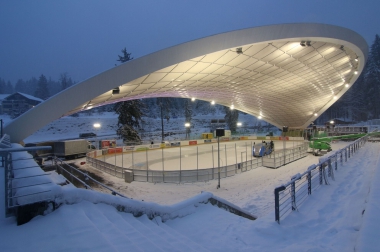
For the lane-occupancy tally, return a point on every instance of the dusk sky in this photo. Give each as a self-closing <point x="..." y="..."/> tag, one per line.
<point x="83" y="38"/>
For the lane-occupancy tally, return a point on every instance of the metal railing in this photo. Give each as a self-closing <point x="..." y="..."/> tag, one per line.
<point x="142" y="172"/>
<point x="177" y="176"/>
<point x="290" y="196"/>
<point x="68" y="170"/>
<point x="281" y="157"/>
<point x="16" y="183"/>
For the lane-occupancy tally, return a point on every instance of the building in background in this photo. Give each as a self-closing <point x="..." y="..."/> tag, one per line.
<point x="18" y="103"/>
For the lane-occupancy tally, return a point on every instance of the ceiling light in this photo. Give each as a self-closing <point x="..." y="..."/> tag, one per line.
<point x="346" y="85"/>
<point x="193" y="99"/>
<point x="356" y="72"/>
<point x="315" y="114"/>
<point x="335" y="97"/>
<point x="357" y="59"/>
<point x="232" y="107"/>
<point x="260" y="117"/>
<point x="116" y="91"/>
<point x="239" y="50"/>
<point x="212" y="102"/>
<point x="305" y="43"/>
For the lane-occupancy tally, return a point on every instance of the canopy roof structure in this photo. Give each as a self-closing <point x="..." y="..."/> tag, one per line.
<point x="286" y="74"/>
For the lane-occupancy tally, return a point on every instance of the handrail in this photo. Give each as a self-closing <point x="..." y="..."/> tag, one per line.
<point x="56" y="160"/>
<point x="301" y="185"/>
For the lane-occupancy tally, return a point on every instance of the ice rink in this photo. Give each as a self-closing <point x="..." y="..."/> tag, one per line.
<point x="192" y="157"/>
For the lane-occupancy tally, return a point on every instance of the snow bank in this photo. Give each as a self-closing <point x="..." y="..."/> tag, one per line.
<point x="71" y="195"/>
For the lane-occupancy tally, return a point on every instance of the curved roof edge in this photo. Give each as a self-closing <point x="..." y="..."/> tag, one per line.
<point x="67" y="100"/>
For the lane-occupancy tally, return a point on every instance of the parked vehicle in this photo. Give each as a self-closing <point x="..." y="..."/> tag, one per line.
<point x="72" y="148"/>
<point x="262" y="149"/>
<point x="86" y="135"/>
<point x="66" y="149"/>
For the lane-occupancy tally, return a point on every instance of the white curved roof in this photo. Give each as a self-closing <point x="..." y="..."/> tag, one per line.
<point x="288" y="74"/>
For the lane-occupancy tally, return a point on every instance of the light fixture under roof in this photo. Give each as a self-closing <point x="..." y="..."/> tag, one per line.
<point x="315" y="114"/>
<point x="356" y="59"/>
<point x="346" y="85"/>
<point x="356" y="72"/>
<point x="193" y="99"/>
<point x="212" y="102"/>
<point x="305" y="43"/>
<point x="239" y="50"/>
<point x="116" y="90"/>
<point x="232" y="107"/>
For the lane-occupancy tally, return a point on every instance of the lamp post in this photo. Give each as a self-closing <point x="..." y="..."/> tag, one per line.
<point x="239" y="125"/>
<point x="97" y="126"/>
<point x="187" y="125"/>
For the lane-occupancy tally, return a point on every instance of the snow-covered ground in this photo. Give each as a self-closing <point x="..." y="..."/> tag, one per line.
<point x="342" y="216"/>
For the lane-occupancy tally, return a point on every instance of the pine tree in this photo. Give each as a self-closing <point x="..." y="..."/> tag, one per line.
<point x="130" y="117"/>
<point x="2" y="86"/>
<point x="372" y="80"/>
<point x="9" y="88"/>
<point x="164" y="104"/>
<point x="42" y="90"/>
<point x="126" y="56"/>
<point x="231" y="117"/>
<point x="65" y="81"/>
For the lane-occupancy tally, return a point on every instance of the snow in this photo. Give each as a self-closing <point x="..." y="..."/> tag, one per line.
<point x="342" y="216"/>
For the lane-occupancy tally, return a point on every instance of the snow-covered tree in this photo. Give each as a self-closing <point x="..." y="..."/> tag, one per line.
<point x="42" y="90"/>
<point x="130" y="118"/>
<point x="125" y="57"/>
<point x="130" y="112"/>
<point x="65" y="81"/>
<point x="231" y="117"/>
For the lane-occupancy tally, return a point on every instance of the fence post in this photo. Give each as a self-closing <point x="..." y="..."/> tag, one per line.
<point x="197" y="163"/>
<point x="133" y="161"/>
<point x="180" y="164"/>
<point x="163" y="166"/>
<point x="336" y="161"/>
<point x="309" y="182"/>
<point x="320" y="174"/>
<point x="147" y="173"/>
<point x="212" y="150"/>
<point x="349" y="151"/>
<point x="225" y="154"/>
<point x="293" y="195"/>
<point x="236" y="163"/>
<point x="277" y="202"/>
<point x="329" y="167"/>
<point x="345" y="154"/>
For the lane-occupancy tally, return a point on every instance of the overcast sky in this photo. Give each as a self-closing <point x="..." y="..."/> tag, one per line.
<point x="83" y="38"/>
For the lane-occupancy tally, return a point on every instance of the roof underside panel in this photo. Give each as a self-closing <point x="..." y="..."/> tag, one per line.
<point x="285" y="82"/>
